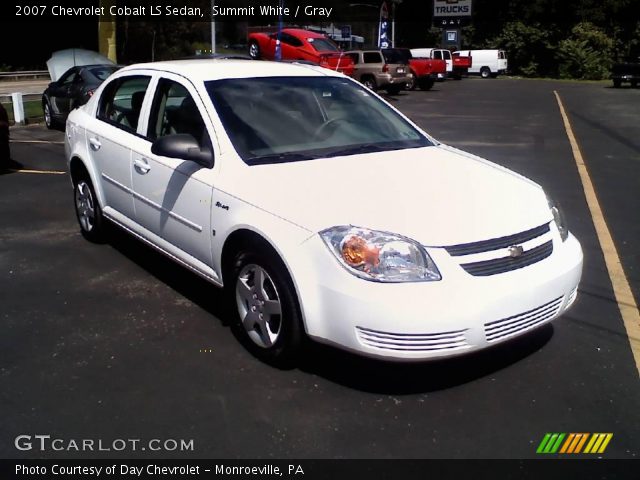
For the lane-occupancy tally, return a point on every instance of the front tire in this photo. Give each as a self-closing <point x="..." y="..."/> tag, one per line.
<point x="267" y="314"/>
<point x="254" y="50"/>
<point x="411" y="84"/>
<point x="88" y="211"/>
<point x="48" y="118"/>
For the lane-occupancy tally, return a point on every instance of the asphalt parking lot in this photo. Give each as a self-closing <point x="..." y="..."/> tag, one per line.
<point x="114" y="341"/>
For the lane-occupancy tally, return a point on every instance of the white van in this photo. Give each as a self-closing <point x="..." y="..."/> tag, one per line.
<point x="488" y="63"/>
<point x="437" y="54"/>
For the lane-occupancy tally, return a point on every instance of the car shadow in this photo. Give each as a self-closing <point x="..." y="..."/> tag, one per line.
<point x="186" y="283"/>
<point x="10" y="167"/>
<point x="335" y="365"/>
<point x="401" y="378"/>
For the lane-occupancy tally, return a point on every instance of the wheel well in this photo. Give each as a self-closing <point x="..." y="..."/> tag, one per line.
<point x="77" y="169"/>
<point x="246" y="239"/>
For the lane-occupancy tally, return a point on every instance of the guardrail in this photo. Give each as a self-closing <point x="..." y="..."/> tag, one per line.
<point x="22" y="108"/>
<point x="24" y="74"/>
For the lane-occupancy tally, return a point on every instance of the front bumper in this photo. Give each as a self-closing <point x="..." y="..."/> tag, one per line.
<point x="416" y="321"/>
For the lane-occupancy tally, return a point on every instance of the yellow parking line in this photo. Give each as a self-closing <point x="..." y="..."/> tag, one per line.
<point x="621" y="289"/>
<point x="43" y="172"/>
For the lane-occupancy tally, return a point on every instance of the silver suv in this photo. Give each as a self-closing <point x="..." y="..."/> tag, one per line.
<point x="378" y="70"/>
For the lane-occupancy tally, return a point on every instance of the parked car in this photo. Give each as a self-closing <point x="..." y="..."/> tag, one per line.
<point x="384" y="69"/>
<point x="461" y="65"/>
<point x="436" y="54"/>
<point x="73" y="89"/>
<point x="322" y="210"/>
<point x="298" y="44"/>
<point x="487" y="63"/>
<point x="628" y="71"/>
<point x="424" y="71"/>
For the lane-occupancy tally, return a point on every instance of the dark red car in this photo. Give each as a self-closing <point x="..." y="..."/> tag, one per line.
<point x="298" y="44"/>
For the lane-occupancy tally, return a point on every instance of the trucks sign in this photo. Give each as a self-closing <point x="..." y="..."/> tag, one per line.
<point x="451" y="8"/>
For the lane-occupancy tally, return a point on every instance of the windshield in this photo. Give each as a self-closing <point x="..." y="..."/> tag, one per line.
<point x="323" y="45"/>
<point x="101" y="73"/>
<point x="284" y="119"/>
<point x="394" y="55"/>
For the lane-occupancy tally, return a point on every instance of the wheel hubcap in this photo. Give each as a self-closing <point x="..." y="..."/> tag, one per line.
<point x="258" y="305"/>
<point x="253" y="50"/>
<point x="85" y="206"/>
<point x="47" y="115"/>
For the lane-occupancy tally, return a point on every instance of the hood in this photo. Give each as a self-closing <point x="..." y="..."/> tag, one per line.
<point x="63" y="60"/>
<point x="437" y="195"/>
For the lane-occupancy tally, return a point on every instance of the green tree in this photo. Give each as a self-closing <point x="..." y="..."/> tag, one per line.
<point x="527" y="47"/>
<point x="586" y="54"/>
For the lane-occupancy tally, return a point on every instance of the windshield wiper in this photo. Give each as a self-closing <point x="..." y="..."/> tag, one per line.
<point x="363" y="148"/>
<point x="284" y="157"/>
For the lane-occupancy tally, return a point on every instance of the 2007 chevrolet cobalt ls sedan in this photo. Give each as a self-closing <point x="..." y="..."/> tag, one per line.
<point x="322" y="210"/>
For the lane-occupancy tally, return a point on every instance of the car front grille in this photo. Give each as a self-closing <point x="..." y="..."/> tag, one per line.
<point x="413" y="342"/>
<point x="503" y="261"/>
<point x="506" y="264"/>
<point x="497" y="243"/>
<point x="501" y="329"/>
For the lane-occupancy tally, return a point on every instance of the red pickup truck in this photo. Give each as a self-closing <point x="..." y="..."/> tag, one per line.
<point x="424" y="70"/>
<point x="461" y="65"/>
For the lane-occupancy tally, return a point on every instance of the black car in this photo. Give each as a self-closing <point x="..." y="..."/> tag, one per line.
<point x="73" y="89"/>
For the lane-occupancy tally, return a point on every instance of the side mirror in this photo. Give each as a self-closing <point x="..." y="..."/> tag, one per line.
<point x="184" y="147"/>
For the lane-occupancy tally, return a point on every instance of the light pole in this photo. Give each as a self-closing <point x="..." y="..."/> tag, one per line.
<point x="393" y="21"/>
<point x="213" y="27"/>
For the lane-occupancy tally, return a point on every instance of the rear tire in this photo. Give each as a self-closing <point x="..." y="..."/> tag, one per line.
<point x="254" y="50"/>
<point x="265" y="306"/>
<point x="485" y="72"/>
<point x="369" y="82"/>
<point x="88" y="211"/>
<point x="393" y="89"/>
<point x="425" y="83"/>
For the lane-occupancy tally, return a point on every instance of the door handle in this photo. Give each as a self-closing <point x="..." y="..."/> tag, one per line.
<point x="95" y="144"/>
<point x="141" y="165"/>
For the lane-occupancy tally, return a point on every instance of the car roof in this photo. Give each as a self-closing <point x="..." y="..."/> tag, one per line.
<point x="304" y="33"/>
<point x="218" y="69"/>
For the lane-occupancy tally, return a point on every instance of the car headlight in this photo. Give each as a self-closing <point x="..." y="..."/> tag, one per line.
<point x="380" y="256"/>
<point x="559" y="218"/>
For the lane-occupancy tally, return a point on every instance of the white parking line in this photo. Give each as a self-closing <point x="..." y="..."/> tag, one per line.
<point x="37" y="141"/>
<point x="621" y="289"/>
<point x="43" y="172"/>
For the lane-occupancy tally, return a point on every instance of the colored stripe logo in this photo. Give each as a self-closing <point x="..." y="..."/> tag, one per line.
<point x="568" y="443"/>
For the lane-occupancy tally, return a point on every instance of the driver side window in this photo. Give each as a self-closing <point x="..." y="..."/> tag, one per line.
<point x="174" y="111"/>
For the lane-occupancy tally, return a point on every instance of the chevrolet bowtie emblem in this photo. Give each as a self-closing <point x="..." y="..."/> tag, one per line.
<point x="515" y="251"/>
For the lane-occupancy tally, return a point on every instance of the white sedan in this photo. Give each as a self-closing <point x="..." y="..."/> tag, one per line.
<point x="323" y="211"/>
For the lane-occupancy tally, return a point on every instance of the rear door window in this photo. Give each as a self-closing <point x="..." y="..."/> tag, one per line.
<point x="371" y="57"/>
<point x="121" y="101"/>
